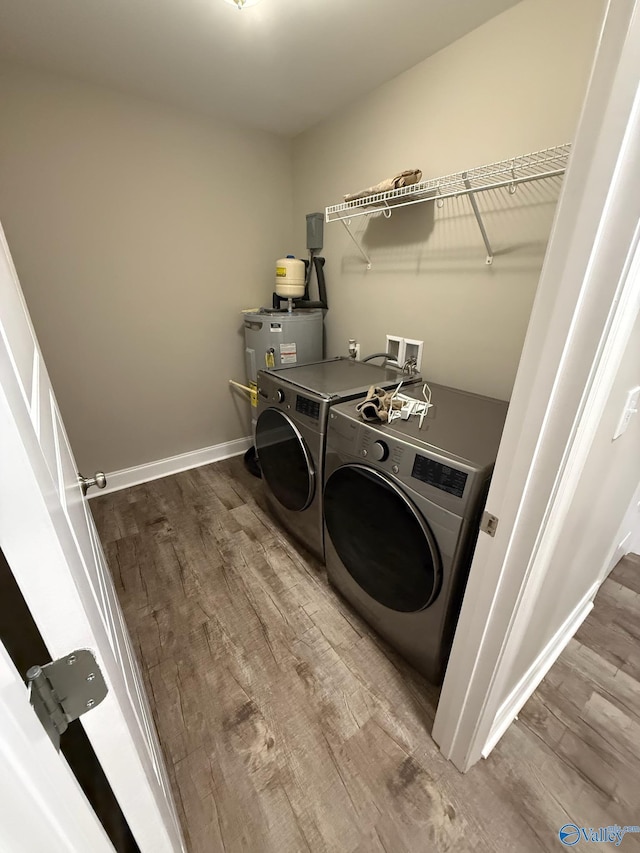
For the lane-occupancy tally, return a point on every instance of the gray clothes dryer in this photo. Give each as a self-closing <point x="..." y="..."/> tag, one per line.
<point x="402" y="509"/>
<point x="293" y="407"/>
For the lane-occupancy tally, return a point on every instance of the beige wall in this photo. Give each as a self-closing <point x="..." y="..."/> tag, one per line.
<point x="139" y="232"/>
<point x="512" y="86"/>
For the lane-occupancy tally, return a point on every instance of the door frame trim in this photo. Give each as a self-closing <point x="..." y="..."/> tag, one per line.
<point x="586" y="304"/>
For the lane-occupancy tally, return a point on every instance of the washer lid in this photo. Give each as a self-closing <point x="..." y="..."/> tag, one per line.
<point x="382" y="540"/>
<point x="341" y="377"/>
<point x="285" y="460"/>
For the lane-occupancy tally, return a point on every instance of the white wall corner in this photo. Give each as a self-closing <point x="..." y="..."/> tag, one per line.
<point x="527" y="685"/>
<point x="127" y="477"/>
<point x="628" y="536"/>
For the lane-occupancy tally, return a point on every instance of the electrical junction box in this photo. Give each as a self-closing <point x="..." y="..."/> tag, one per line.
<point x="315" y="230"/>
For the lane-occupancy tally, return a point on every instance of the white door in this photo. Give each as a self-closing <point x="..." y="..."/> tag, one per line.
<point x="50" y="542"/>
<point x="43" y="807"/>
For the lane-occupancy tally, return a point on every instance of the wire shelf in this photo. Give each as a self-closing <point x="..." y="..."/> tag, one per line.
<point x="527" y="167"/>
<point x="547" y="163"/>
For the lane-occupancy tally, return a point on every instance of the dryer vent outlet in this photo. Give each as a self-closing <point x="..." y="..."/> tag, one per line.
<point x="395" y="348"/>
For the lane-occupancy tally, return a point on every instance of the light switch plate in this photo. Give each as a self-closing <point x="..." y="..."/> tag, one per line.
<point x="630" y="408"/>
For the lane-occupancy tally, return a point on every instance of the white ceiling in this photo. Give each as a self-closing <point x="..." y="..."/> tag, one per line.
<point x="281" y="66"/>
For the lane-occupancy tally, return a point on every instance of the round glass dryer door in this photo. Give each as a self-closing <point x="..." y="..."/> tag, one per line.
<point x="285" y="460"/>
<point x="383" y="542"/>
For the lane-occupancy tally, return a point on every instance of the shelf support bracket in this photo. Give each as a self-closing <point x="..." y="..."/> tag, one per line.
<point x="476" y="211"/>
<point x="366" y="257"/>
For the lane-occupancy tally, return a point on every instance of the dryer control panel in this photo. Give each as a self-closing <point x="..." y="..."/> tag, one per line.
<point x="444" y="477"/>
<point x="307" y="409"/>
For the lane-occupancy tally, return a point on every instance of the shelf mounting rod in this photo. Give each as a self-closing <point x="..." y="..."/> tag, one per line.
<point x="366" y="257"/>
<point x="476" y="211"/>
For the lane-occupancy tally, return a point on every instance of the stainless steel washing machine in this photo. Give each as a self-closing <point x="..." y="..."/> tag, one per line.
<point x="402" y="509"/>
<point x="293" y="406"/>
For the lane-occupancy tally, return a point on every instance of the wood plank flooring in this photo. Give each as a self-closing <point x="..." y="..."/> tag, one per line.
<point x="288" y="726"/>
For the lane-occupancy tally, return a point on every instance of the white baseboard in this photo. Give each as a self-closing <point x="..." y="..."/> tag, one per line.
<point x="527" y="685"/>
<point x="127" y="477"/>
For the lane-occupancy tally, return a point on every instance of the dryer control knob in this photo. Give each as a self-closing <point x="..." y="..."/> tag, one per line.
<point x="379" y="451"/>
<point x="280" y="395"/>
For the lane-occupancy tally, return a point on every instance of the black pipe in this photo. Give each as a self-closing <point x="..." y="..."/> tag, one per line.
<point x="318" y="264"/>
<point x="377" y="355"/>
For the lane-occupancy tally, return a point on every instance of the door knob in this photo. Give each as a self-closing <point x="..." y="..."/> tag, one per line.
<point x="98" y="480"/>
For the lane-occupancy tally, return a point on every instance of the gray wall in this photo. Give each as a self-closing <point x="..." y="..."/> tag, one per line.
<point x="512" y="86"/>
<point x="139" y="232"/>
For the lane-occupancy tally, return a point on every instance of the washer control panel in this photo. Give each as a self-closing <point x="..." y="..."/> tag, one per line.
<point x="310" y="408"/>
<point x="379" y="451"/>
<point x="428" y="472"/>
<point x="450" y="466"/>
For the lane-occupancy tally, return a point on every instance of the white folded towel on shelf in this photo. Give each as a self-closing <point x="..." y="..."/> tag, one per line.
<point x="403" y="179"/>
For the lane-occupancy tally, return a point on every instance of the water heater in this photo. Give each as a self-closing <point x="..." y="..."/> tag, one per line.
<point x="281" y="339"/>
